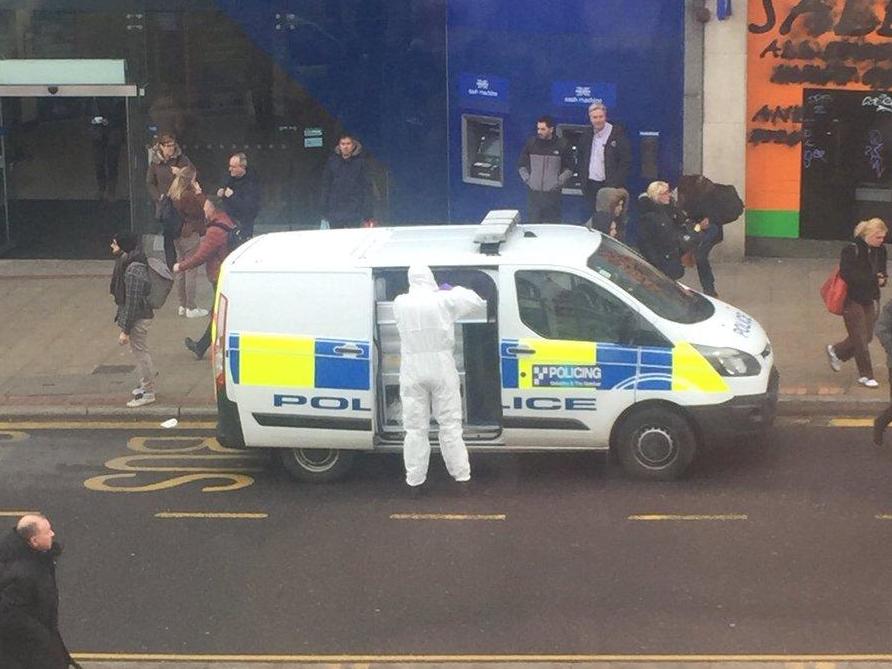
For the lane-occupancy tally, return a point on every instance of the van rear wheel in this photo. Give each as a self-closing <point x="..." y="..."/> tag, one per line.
<point x="656" y="443"/>
<point x="316" y="465"/>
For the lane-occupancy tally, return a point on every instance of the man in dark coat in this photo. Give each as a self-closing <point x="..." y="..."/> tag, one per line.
<point x="346" y="197"/>
<point x="241" y="193"/>
<point x="605" y="155"/>
<point x="29" y="598"/>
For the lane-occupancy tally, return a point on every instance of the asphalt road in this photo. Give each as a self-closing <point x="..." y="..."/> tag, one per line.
<point x="775" y="547"/>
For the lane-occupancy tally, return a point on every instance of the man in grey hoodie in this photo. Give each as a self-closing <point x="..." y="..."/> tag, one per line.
<point x="545" y="167"/>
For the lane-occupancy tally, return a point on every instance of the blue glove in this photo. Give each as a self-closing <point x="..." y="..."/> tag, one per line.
<point x="445" y="286"/>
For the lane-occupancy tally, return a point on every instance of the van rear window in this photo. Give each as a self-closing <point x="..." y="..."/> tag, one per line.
<point x="619" y="264"/>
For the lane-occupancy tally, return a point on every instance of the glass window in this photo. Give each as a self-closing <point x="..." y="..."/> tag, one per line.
<point x="618" y="263"/>
<point x="558" y="305"/>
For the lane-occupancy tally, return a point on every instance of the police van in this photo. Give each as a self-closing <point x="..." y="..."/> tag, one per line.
<point x="582" y="345"/>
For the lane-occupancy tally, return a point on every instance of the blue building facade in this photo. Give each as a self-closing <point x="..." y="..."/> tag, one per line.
<point x="441" y="93"/>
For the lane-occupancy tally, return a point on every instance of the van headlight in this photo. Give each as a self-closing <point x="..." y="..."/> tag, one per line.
<point x="730" y="361"/>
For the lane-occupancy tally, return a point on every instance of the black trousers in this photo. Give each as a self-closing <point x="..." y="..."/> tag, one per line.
<point x="544" y="207"/>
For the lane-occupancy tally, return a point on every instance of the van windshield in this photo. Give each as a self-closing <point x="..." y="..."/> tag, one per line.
<point x="618" y="263"/>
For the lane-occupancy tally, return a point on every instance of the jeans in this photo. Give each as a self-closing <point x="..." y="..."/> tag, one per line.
<point x="701" y="254"/>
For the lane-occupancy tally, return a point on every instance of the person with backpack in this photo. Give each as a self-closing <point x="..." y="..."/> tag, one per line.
<point x="708" y="206"/>
<point x="130" y="287"/>
<point x="221" y="238"/>
<point x="184" y="194"/>
<point x="862" y="265"/>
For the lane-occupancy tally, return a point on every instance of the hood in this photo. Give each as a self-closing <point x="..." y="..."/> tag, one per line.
<point x="731" y="327"/>
<point x="605" y="195"/>
<point x="421" y="278"/>
<point x="156" y="158"/>
<point x="357" y="149"/>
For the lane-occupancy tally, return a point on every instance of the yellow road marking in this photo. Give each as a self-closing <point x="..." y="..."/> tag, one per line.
<point x="669" y="516"/>
<point x="103" y="425"/>
<point x="447" y="516"/>
<point x="883" y="516"/>
<point x="185" y="514"/>
<point x="851" y="422"/>
<point x="9" y="436"/>
<point x="16" y="514"/>
<point x="393" y="659"/>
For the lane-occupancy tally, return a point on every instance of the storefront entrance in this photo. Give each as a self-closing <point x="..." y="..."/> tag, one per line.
<point x="846" y="165"/>
<point x="64" y="159"/>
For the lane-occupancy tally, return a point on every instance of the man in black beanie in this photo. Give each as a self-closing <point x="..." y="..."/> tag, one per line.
<point x="130" y="287"/>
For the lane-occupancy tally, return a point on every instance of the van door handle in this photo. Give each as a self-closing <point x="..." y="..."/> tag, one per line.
<point x="517" y="350"/>
<point x="348" y="349"/>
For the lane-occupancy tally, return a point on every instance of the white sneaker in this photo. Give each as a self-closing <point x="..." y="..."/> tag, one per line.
<point x="835" y="363"/>
<point x="141" y="400"/>
<point x="868" y="383"/>
<point x="196" y="313"/>
<point x="181" y="311"/>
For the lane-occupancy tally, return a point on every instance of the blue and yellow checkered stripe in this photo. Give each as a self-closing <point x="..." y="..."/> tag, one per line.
<point x="570" y="364"/>
<point x="294" y="361"/>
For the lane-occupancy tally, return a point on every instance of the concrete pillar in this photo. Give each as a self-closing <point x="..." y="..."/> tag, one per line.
<point x="724" y="113"/>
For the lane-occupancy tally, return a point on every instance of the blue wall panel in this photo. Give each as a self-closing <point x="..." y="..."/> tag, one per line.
<point x="388" y="70"/>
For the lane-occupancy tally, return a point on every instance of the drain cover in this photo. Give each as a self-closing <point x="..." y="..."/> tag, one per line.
<point x="113" y="369"/>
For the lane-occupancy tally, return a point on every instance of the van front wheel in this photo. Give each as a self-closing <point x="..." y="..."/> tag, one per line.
<point x="316" y="465"/>
<point x="656" y="443"/>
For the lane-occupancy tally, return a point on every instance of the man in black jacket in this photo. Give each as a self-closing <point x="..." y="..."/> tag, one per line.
<point x="29" y="598"/>
<point x="605" y="155"/>
<point x="346" y="198"/>
<point x="241" y="194"/>
<point x="544" y="166"/>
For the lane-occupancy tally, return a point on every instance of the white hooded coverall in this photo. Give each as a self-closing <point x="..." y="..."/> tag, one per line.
<point x="425" y="318"/>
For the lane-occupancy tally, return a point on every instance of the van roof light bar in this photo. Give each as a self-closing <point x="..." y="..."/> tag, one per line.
<point x="495" y="228"/>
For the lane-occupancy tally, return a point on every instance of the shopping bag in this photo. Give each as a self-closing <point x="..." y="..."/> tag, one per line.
<point x="833" y="292"/>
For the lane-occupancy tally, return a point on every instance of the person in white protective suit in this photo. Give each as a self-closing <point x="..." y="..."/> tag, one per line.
<point x="425" y="318"/>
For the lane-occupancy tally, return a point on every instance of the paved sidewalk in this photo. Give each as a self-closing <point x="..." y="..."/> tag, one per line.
<point x="60" y="356"/>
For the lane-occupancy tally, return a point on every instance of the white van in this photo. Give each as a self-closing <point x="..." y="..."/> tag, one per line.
<point x="583" y="346"/>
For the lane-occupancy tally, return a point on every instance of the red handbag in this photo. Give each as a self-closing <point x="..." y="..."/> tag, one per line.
<point x="834" y="293"/>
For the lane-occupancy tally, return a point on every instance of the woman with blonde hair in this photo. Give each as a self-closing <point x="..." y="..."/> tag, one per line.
<point x="862" y="265"/>
<point x="659" y="234"/>
<point x="188" y="200"/>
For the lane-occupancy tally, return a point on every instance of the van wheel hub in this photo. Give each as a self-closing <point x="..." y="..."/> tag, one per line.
<point x="655" y="447"/>
<point x="315" y="459"/>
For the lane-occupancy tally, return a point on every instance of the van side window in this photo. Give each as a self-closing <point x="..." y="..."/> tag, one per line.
<point x="558" y="305"/>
